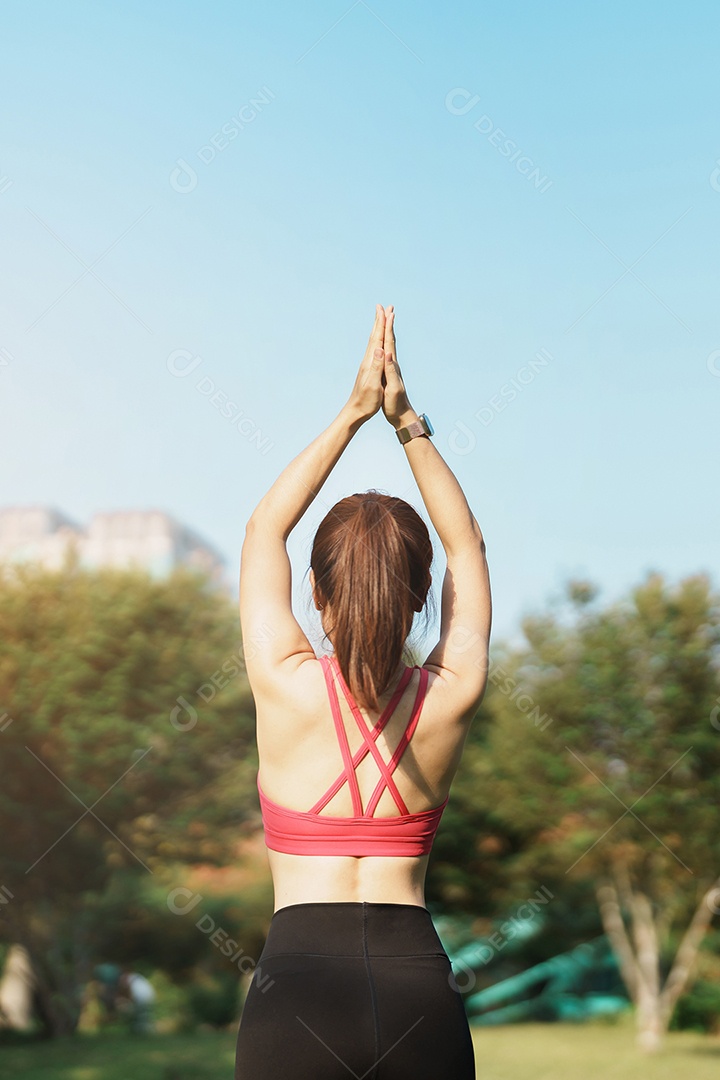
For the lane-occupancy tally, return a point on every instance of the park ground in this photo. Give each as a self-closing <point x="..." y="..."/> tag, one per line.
<point x="539" y="1051"/>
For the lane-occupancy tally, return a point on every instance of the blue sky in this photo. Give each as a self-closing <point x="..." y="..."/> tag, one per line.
<point x="521" y="180"/>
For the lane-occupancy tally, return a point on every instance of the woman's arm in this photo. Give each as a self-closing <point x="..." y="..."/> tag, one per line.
<point x="444" y="499"/>
<point x="273" y="641"/>
<point x="461" y="654"/>
<point x="298" y="484"/>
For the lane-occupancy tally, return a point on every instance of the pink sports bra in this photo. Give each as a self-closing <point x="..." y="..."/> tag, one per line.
<point x="311" y="833"/>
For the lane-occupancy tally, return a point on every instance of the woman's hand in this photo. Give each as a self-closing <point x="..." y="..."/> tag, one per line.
<point x="395" y="404"/>
<point x="367" y="393"/>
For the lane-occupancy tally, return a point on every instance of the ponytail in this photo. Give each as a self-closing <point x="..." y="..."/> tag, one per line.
<point x="371" y="561"/>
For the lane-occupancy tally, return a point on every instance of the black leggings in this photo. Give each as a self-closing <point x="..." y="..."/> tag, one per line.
<point x="353" y="989"/>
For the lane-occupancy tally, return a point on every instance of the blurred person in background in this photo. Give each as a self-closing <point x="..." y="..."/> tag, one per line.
<point x="136" y="997"/>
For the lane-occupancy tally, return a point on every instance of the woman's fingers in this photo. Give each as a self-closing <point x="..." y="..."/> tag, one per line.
<point x="389" y="342"/>
<point x="390" y="346"/>
<point x="377" y="333"/>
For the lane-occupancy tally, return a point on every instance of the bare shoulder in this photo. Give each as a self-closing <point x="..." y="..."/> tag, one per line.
<point x="298" y="691"/>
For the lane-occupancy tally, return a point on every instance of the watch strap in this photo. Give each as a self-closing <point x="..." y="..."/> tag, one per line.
<point x="417" y="427"/>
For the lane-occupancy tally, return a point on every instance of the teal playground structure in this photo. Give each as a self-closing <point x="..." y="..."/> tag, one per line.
<point x="576" y="985"/>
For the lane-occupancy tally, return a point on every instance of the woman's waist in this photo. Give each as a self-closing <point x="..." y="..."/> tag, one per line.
<point x="347" y="879"/>
<point x="352" y="929"/>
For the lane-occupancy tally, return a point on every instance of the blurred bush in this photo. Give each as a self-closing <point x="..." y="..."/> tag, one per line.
<point x="699" y="1009"/>
<point x="214" y="999"/>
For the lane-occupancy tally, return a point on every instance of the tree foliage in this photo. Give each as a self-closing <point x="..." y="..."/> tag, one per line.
<point x="619" y="784"/>
<point x="127" y="719"/>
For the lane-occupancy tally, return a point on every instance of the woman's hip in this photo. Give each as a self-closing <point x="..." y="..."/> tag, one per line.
<point x="358" y="929"/>
<point x="350" y="986"/>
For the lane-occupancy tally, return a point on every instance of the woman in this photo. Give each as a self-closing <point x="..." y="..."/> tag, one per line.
<point x="357" y="754"/>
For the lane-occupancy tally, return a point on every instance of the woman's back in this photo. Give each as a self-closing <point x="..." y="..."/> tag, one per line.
<point x="403" y="757"/>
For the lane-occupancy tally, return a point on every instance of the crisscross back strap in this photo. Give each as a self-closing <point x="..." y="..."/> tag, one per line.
<point x="402" y="744"/>
<point x="351" y="761"/>
<point x="386" y="779"/>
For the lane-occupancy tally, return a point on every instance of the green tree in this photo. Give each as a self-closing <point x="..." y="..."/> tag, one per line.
<point x="603" y="757"/>
<point x="126" y="721"/>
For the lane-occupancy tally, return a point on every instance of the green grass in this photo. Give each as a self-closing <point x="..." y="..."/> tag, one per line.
<point x="521" y="1052"/>
<point x="590" y="1052"/>
<point x="123" y="1057"/>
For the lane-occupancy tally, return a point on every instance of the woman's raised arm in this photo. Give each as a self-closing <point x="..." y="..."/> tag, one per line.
<point x="461" y="654"/>
<point x="274" y="643"/>
<point x="298" y="484"/>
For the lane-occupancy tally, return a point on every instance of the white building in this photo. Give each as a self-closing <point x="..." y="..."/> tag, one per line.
<point x="121" y="538"/>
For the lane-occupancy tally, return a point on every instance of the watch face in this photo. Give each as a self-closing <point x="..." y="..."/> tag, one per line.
<point x="426" y="418"/>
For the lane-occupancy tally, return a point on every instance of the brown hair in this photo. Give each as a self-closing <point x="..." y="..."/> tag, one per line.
<point x="371" y="560"/>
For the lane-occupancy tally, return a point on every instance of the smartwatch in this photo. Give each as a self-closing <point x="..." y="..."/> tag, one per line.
<point x="421" y="426"/>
